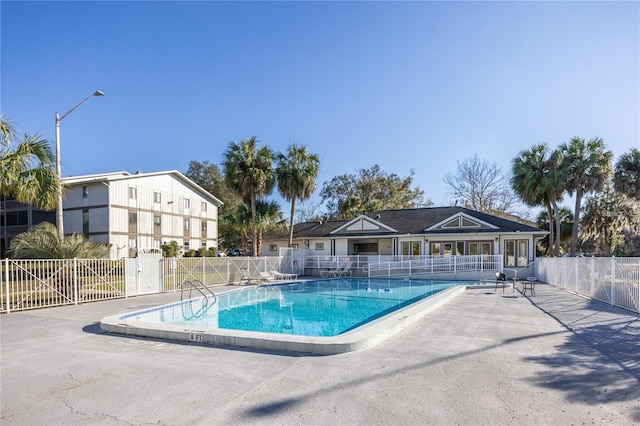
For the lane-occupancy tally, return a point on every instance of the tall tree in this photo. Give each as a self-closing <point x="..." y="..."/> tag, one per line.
<point x="626" y="178"/>
<point x="296" y="171"/>
<point x="43" y="242"/>
<point x="566" y="222"/>
<point x="28" y="169"/>
<point x="539" y="181"/>
<point x="370" y="190"/>
<point x="606" y="215"/>
<point x="269" y="219"/>
<point x="588" y="168"/>
<point x="248" y="170"/>
<point x="481" y="185"/>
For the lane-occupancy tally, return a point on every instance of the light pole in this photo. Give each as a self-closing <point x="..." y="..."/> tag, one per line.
<point x="59" y="215"/>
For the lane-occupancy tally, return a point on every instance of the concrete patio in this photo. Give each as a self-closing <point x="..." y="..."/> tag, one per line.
<point x="485" y="358"/>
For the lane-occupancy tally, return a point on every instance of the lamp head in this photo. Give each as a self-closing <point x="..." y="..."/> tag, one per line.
<point x="98" y="93"/>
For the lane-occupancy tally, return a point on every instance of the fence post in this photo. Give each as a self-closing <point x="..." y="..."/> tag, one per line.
<point x="6" y="283"/>
<point x="613" y="281"/>
<point x="75" y="281"/>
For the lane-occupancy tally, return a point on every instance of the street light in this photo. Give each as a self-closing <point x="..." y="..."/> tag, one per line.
<point x="59" y="217"/>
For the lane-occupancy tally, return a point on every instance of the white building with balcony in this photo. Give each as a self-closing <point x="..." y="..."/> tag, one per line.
<point x="132" y="212"/>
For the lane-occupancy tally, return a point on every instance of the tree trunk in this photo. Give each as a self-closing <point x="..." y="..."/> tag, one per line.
<point x="551" y="240"/>
<point x="254" y="230"/>
<point x="557" y="220"/>
<point x="576" y="223"/>
<point x="293" y="212"/>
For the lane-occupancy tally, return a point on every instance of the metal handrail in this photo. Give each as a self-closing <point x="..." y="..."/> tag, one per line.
<point x="193" y="285"/>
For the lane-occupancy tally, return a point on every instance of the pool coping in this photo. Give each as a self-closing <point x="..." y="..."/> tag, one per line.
<point x="362" y="337"/>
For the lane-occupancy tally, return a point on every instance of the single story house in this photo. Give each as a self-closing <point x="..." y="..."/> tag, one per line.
<point x="431" y="231"/>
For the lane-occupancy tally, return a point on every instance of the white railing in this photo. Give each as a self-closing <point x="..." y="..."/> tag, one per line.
<point x="430" y="265"/>
<point x="402" y="265"/>
<point x="32" y="284"/>
<point x="37" y="283"/>
<point x="614" y="280"/>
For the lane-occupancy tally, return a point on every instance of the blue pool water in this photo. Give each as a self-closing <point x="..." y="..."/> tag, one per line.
<point x="311" y="308"/>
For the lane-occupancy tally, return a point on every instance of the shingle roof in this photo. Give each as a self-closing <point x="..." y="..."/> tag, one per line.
<point x="414" y="222"/>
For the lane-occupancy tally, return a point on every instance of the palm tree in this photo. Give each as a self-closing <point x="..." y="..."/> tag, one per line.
<point x="539" y="181"/>
<point x="297" y="172"/>
<point x="8" y="130"/>
<point x="28" y="170"/>
<point x="626" y="178"/>
<point x="43" y="242"/>
<point x="606" y="215"/>
<point x="588" y="167"/>
<point x="566" y="225"/>
<point x="269" y="218"/>
<point x="248" y="170"/>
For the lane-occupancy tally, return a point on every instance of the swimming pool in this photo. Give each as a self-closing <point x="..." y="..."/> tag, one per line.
<point x="323" y="316"/>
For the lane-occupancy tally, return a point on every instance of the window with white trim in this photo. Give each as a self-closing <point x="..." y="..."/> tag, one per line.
<point x="516" y="253"/>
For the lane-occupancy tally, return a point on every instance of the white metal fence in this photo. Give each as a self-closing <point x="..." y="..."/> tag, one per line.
<point x="430" y="265"/>
<point x="614" y="280"/>
<point x="33" y="284"/>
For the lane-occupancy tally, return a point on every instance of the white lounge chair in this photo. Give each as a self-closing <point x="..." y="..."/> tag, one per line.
<point x="344" y="270"/>
<point x="260" y="278"/>
<point x="281" y="276"/>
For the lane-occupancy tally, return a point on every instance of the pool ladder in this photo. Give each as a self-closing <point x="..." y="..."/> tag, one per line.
<point x="187" y="309"/>
<point x="198" y="286"/>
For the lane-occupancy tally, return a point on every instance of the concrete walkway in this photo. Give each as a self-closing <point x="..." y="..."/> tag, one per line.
<point x="485" y="358"/>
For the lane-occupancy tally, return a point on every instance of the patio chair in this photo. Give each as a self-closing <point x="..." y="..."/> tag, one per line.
<point x="280" y="276"/>
<point x="501" y="276"/>
<point x="344" y="270"/>
<point x="331" y="272"/>
<point x="247" y="278"/>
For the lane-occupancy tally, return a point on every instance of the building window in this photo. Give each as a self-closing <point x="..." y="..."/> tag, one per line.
<point x="516" y="252"/>
<point x="187" y="203"/>
<point x="411" y="248"/>
<point x="204" y="206"/>
<point x="473" y="249"/>
<point x="133" y="192"/>
<point x="85" y="217"/>
<point x="523" y="252"/>
<point x="204" y="225"/>
<point x="447" y="248"/>
<point x="157" y="197"/>
<point x="186" y="224"/>
<point x="85" y="191"/>
<point x="461" y="248"/>
<point x="186" y="246"/>
<point x="273" y="247"/>
<point x="435" y="249"/>
<point x="319" y="247"/>
<point x="156" y="220"/>
<point x="133" y="243"/>
<point x="133" y="218"/>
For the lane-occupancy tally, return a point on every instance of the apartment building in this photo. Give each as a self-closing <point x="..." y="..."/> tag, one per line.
<point x="133" y="212"/>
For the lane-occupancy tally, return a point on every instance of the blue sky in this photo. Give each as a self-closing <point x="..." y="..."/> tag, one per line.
<point x="406" y="85"/>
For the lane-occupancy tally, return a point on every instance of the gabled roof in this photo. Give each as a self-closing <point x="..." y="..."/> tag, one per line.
<point x="363" y="224"/>
<point x="115" y="176"/>
<point x="421" y="221"/>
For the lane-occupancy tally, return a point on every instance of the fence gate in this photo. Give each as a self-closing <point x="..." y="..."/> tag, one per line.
<point x="144" y="274"/>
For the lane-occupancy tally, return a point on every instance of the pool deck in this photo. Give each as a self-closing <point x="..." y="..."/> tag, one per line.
<point x="484" y="358"/>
